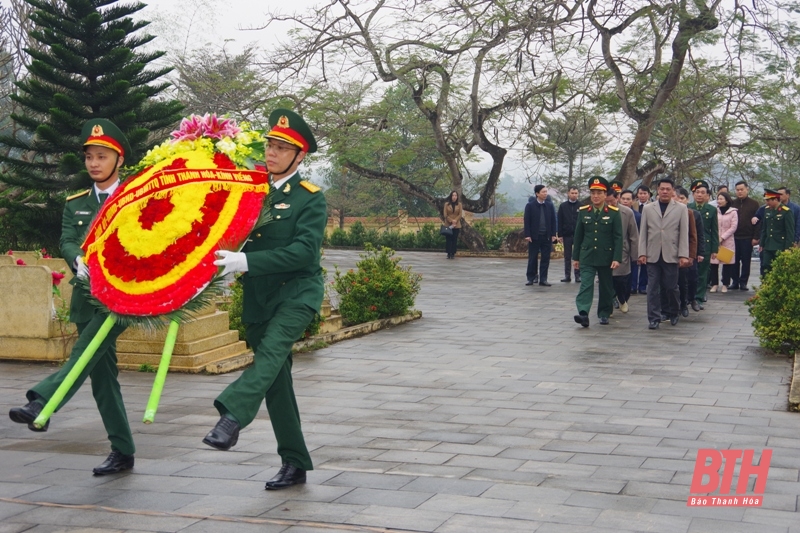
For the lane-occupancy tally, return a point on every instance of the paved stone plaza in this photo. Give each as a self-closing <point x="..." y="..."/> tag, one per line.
<point x="494" y="412"/>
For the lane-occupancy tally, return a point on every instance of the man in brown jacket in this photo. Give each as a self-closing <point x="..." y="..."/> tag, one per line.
<point x="746" y="235"/>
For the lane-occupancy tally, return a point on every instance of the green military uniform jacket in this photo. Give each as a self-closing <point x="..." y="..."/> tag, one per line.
<point x="598" y="236"/>
<point x="710" y="227"/>
<point x="777" y="229"/>
<point x="283" y="256"/>
<point x="79" y="212"/>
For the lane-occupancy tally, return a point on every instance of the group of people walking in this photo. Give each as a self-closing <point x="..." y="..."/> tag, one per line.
<point x="669" y="247"/>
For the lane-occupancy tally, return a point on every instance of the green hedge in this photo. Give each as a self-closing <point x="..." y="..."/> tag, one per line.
<point x="426" y="238"/>
<point x="775" y="307"/>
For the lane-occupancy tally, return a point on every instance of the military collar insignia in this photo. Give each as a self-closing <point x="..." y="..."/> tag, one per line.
<point x="282" y="206"/>
<point x="288" y="187"/>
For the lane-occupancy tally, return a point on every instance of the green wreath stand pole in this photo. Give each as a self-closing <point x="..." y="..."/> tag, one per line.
<point x="73" y="374"/>
<point x="161" y="375"/>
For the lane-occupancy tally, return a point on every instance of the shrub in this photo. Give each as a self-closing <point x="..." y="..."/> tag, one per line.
<point x="372" y="237"/>
<point x="233" y="305"/>
<point x="492" y="235"/>
<point x="390" y="239"/>
<point x="379" y="288"/>
<point x="407" y="240"/>
<point x="775" y="307"/>
<point x="339" y="238"/>
<point x="356" y="234"/>
<point x="428" y="237"/>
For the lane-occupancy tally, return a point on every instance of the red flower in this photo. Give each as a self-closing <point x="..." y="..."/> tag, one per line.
<point x="373" y="308"/>
<point x="20" y="262"/>
<point x="223" y="161"/>
<point x="10" y="252"/>
<point x="57" y="277"/>
<point x="391" y="293"/>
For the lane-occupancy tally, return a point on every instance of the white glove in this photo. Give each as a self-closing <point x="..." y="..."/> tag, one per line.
<point x="232" y="261"/>
<point x="81" y="268"/>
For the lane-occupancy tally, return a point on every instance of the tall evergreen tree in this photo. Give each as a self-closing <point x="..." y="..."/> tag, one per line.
<point x="84" y="64"/>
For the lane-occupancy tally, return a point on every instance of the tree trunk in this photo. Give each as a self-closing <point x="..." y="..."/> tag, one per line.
<point x="471" y="237"/>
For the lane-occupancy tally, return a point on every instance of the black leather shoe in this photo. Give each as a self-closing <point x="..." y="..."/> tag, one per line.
<point x="743" y="288"/>
<point x="642" y="292"/>
<point x="27" y="414"/>
<point x="224" y="435"/>
<point x="565" y="280"/>
<point x="674" y="320"/>
<point x="583" y="320"/>
<point x="545" y="284"/>
<point x="734" y="287"/>
<point x="664" y="317"/>
<point x="603" y="320"/>
<point x="577" y="280"/>
<point x="116" y="462"/>
<point x="700" y="305"/>
<point x="684" y="312"/>
<point x="287" y="476"/>
<point x="653" y="324"/>
<point x="695" y="305"/>
<point x="535" y="279"/>
<point x="529" y="283"/>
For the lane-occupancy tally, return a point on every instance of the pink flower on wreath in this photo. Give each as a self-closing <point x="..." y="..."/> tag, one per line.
<point x="195" y="127"/>
<point x="20" y="262"/>
<point x="57" y="277"/>
<point x="10" y="252"/>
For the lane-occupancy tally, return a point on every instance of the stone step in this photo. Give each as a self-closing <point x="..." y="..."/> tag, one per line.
<point x="54" y="349"/>
<point x="332" y="323"/>
<point x="181" y="363"/>
<point x="181" y="348"/>
<point x="229" y="364"/>
<point x="199" y="328"/>
<point x="326" y="309"/>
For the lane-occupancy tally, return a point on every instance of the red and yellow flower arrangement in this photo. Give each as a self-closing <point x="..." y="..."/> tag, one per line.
<point x="151" y="248"/>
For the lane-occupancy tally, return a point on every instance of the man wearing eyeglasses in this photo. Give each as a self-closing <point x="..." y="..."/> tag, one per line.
<point x="283" y="289"/>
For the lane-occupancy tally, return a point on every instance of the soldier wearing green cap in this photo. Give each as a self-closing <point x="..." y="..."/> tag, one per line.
<point x="701" y="189"/>
<point x="597" y="249"/>
<point x="105" y="148"/>
<point x="283" y="289"/>
<point x="777" y="229"/>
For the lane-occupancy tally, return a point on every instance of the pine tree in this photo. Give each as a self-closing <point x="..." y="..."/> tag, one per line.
<point x="84" y="64"/>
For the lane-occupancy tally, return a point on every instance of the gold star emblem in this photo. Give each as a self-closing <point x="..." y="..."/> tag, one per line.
<point x="287" y="189"/>
<point x="97" y="131"/>
<point x="283" y="122"/>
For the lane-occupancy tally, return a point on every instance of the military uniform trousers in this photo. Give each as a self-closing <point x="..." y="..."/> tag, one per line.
<point x="605" y="300"/>
<point x="270" y="378"/>
<point x="767" y="257"/>
<point x="703" y="270"/>
<point x="103" y="371"/>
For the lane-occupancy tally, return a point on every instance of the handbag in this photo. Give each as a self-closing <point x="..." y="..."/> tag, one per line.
<point x="445" y="230"/>
<point x="725" y="255"/>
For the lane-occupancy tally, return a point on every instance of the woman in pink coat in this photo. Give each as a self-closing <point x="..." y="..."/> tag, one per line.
<point x="728" y="219"/>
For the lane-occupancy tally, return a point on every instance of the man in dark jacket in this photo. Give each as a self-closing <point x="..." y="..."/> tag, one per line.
<point x="540" y="233"/>
<point x="746" y="235"/>
<point x="567" y="217"/>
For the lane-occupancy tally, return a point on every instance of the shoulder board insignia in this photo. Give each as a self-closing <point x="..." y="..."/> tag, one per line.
<point x="613" y="208"/>
<point x="310" y="187"/>
<point x="78" y="195"/>
<point x="785" y="208"/>
<point x="584" y="207"/>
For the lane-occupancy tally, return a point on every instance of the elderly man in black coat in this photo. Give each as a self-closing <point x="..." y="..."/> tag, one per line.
<point x="540" y="233"/>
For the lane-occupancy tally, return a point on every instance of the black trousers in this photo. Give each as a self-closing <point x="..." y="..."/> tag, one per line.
<point x="568" y="270"/>
<point x="662" y="274"/>
<point x="727" y="274"/>
<point x="741" y="268"/>
<point x="687" y="283"/>
<point x="451" y="242"/>
<point x="541" y="246"/>
<point x="622" y="287"/>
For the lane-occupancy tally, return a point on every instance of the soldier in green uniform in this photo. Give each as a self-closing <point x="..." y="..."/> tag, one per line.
<point x="105" y="147"/>
<point x="598" y="249"/>
<point x="777" y="229"/>
<point x="283" y="289"/>
<point x="708" y="213"/>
